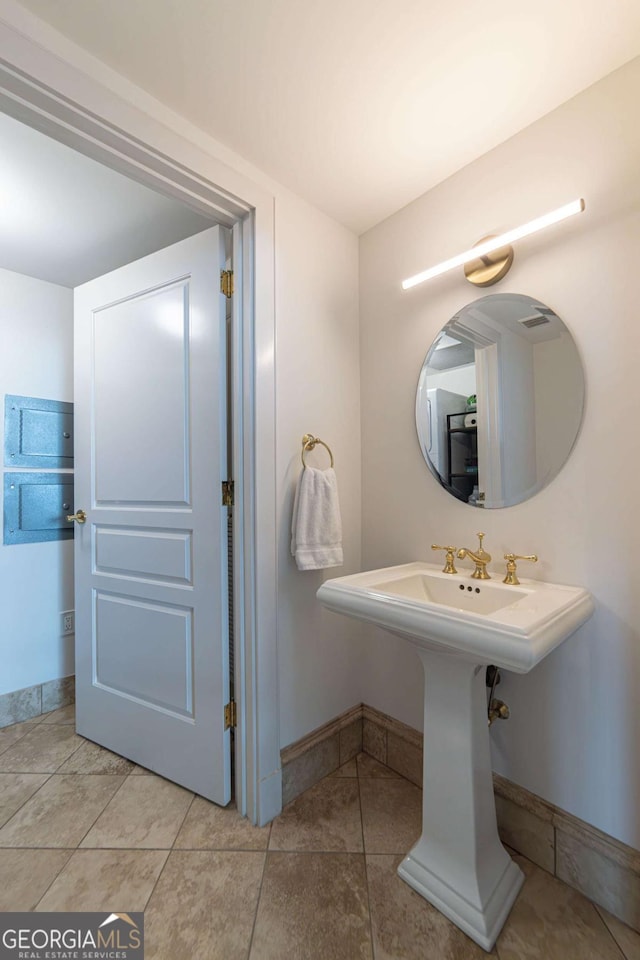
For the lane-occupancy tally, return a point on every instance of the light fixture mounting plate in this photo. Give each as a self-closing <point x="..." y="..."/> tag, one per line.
<point x="490" y="268"/>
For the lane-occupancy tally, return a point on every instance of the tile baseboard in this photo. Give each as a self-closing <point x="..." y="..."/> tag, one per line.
<point x="322" y="751"/>
<point x="599" y="866"/>
<point x="33" y="701"/>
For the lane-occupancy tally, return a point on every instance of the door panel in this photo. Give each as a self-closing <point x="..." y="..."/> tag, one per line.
<point x="132" y="634"/>
<point x="144" y="554"/>
<point x="152" y="672"/>
<point x="142" y="345"/>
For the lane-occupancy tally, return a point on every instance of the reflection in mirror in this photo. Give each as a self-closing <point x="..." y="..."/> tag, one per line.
<point x="499" y="400"/>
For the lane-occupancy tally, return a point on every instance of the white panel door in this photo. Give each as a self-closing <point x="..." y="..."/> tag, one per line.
<point x="152" y="658"/>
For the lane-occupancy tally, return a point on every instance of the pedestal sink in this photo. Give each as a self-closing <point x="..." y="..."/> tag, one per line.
<point x="460" y="625"/>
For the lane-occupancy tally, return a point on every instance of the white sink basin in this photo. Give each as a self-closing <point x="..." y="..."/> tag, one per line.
<point x="483" y="620"/>
<point x="433" y="587"/>
<point x="458" y="625"/>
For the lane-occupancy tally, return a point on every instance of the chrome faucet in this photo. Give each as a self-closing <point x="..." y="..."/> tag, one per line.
<point x="481" y="558"/>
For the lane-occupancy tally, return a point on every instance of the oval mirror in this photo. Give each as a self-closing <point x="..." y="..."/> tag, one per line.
<point x="499" y="400"/>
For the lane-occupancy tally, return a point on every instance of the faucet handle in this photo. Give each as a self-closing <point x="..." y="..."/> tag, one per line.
<point x="448" y="565"/>
<point x="512" y="576"/>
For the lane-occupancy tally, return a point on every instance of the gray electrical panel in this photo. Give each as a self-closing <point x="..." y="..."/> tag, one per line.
<point x="37" y="433"/>
<point x="36" y="505"/>
<point x="38" y="436"/>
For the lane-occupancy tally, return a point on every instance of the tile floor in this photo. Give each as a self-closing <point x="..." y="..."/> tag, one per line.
<point x="83" y="829"/>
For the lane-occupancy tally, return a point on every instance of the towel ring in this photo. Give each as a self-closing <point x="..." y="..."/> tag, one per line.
<point x="309" y="442"/>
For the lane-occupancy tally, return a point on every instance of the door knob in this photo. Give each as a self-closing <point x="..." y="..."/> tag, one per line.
<point x="79" y="516"/>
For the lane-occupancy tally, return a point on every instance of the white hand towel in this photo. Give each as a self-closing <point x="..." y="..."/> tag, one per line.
<point x="316" y="531"/>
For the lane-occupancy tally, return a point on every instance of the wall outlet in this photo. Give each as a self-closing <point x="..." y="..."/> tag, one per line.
<point x="67" y="622"/>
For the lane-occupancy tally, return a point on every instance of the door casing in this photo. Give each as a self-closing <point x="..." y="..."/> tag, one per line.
<point x="42" y="85"/>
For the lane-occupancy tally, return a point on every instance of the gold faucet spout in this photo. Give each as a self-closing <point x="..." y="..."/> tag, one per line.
<point x="480" y="557"/>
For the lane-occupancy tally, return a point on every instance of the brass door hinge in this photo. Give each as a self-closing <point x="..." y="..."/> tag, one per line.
<point x="227" y="493"/>
<point x="226" y="283"/>
<point x="230" y="715"/>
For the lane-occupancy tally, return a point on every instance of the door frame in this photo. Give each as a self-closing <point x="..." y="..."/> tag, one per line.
<point x="52" y="85"/>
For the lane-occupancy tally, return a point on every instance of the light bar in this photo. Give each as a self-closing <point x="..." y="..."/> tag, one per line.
<point x="555" y="216"/>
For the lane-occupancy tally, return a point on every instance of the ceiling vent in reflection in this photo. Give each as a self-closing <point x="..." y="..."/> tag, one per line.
<point x="536" y="320"/>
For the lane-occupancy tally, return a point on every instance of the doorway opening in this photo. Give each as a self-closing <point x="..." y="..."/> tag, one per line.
<point x="85" y="220"/>
<point x="50" y="92"/>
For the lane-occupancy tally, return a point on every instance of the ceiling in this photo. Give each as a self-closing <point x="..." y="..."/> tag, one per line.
<point x="359" y="106"/>
<point x="66" y="219"/>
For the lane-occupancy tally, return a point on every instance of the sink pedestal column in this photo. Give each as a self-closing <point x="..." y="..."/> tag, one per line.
<point x="459" y="864"/>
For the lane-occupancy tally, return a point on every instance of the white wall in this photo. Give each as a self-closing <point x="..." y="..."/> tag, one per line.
<point x="36" y="579"/>
<point x="458" y="380"/>
<point x="574" y="732"/>
<point x="558" y="381"/>
<point x="318" y="392"/>
<point x="515" y="359"/>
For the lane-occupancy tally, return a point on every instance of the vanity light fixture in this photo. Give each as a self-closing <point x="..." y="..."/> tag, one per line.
<point x="491" y="244"/>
